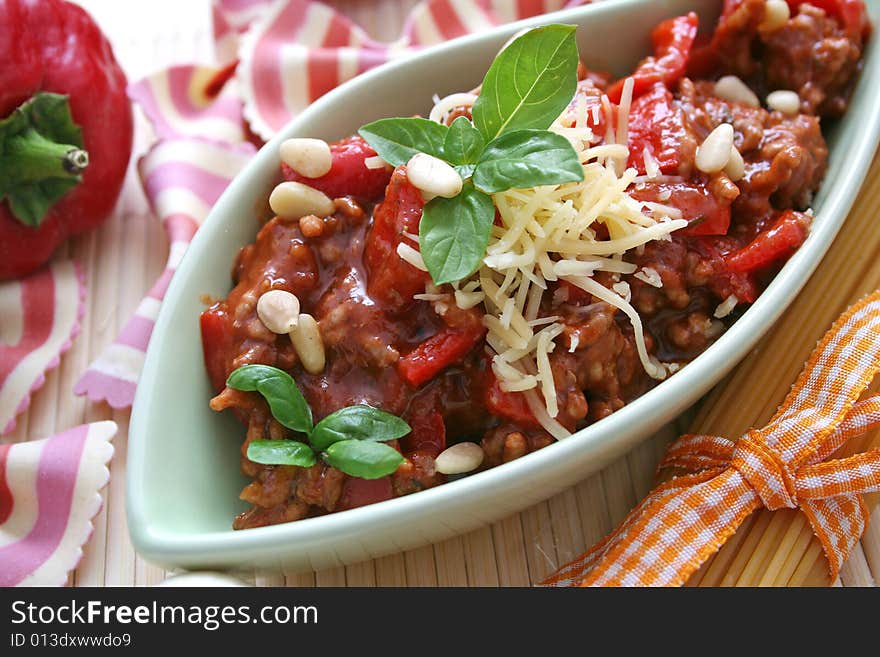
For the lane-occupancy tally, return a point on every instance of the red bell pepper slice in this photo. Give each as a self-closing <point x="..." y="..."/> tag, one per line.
<point x="428" y="432"/>
<point x="510" y="405"/>
<point x="706" y="214"/>
<point x="393" y="281"/>
<point x="216" y="335"/>
<point x="776" y="243"/>
<point x="657" y="125"/>
<point x="437" y="353"/>
<point x="672" y="40"/>
<point x="348" y="175"/>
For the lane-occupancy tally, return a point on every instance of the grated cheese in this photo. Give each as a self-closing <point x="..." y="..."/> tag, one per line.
<point x="466" y="300"/>
<point x="622" y="288"/>
<point x="652" y="168"/>
<point x="410" y="255"/>
<point x="650" y="276"/>
<point x="549" y="233"/>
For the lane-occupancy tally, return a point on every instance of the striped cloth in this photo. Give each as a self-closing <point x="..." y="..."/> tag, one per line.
<point x="684" y="521"/>
<point x="289" y="53"/>
<point x="39" y="317"/>
<point x="49" y="493"/>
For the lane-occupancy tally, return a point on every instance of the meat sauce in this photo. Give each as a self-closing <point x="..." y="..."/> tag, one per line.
<point x="426" y="360"/>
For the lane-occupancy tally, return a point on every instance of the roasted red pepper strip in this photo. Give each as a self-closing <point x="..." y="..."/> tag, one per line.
<point x="428" y="432"/>
<point x="510" y="405"/>
<point x="348" y="175"/>
<point x="55" y="46"/>
<point x="392" y="280"/>
<point x="216" y="335"/>
<point x="435" y="354"/>
<point x="672" y="40"/>
<point x="656" y="124"/>
<point x="776" y="243"/>
<point x="708" y="216"/>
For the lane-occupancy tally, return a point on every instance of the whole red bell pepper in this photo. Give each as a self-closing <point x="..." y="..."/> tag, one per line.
<point x="65" y="129"/>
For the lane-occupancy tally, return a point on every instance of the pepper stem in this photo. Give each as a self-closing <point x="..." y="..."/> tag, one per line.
<point x="30" y="157"/>
<point x="41" y="156"/>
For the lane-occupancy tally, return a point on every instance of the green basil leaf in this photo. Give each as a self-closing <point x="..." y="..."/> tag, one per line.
<point x="357" y="423"/>
<point x="397" y="140"/>
<point x="527" y="158"/>
<point x="529" y="83"/>
<point x="465" y="170"/>
<point x="363" y="458"/>
<point x="463" y="143"/>
<point x="454" y="233"/>
<point x="286" y="402"/>
<point x="281" y="452"/>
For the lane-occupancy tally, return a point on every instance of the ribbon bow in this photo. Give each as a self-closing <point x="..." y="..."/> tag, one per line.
<point x="682" y="522"/>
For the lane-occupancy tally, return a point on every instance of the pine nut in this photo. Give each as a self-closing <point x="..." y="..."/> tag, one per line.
<point x="458" y="459"/>
<point x="787" y="102"/>
<point x="732" y="89"/>
<point x="306" y="339"/>
<point x="714" y="153"/>
<point x="736" y="167"/>
<point x="278" y="310"/>
<point x="433" y="176"/>
<point x="308" y="157"/>
<point x="292" y="200"/>
<point x="776" y="14"/>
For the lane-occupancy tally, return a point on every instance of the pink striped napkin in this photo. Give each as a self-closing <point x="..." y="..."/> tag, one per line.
<point x="288" y="53"/>
<point x="49" y="493"/>
<point x="39" y="317"/>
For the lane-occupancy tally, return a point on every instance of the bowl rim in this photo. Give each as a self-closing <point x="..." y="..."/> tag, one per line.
<point x="227" y="545"/>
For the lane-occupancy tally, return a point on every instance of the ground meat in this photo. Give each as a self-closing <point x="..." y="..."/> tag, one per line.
<point x="603" y="363"/>
<point x="320" y="485"/>
<point x="787" y="168"/>
<point x="785" y="157"/>
<point x="733" y="37"/>
<point x="292" y="509"/>
<point x="509" y="441"/>
<point x="812" y="54"/>
<point x="350" y="323"/>
<point x="416" y="473"/>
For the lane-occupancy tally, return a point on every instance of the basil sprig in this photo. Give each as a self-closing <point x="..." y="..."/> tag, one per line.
<point x="507" y="146"/>
<point x="350" y="439"/>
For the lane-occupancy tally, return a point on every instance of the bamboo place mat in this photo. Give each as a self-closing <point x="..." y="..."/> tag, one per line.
<point x="125" y="256"/>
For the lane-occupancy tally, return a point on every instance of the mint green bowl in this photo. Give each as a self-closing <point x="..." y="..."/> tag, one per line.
<point x="183" y="459"/>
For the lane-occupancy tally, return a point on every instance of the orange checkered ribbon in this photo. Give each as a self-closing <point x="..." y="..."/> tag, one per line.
<point x="682" y="522"/>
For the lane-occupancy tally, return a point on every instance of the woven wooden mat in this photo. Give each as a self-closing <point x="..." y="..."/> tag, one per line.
<point x="125" y="256"/>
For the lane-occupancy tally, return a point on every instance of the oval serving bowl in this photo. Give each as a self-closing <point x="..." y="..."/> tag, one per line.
<point x="183" y="459"/>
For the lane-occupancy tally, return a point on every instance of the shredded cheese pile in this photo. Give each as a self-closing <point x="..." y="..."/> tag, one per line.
<point x="548" y="234"/>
